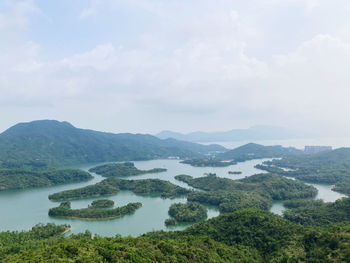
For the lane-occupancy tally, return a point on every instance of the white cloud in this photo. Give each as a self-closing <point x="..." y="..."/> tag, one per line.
<point x="191" y="69"/>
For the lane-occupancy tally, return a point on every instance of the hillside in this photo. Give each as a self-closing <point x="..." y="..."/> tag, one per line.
<point x="49" y="142"/>
<point x="247" y="235"/>
<point x="256" y="151"/>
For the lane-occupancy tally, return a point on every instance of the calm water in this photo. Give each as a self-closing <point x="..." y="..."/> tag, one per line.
<point x="21" y="209"/>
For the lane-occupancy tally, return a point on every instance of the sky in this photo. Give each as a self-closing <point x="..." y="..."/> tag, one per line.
<point x="143" y="66"/>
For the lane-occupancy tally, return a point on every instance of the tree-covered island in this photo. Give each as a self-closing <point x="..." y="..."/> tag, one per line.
<point x="94" y="211"/>
<point x="122" y="170"/>
<point x="26" y="178"/>
<point x="112" y="186"/>
<point x="189" y="212"/>
<point x="208" y="162"/>
<point x="256" y="191"/>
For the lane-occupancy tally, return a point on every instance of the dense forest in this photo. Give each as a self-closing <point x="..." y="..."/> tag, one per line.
<point x="247" y="235"/>
<point x="93" y="212"/>
<point x="112" y="186"/>
<point x="331" y="167"/>
<point x="49" y="143"/>
<point x="208" y="162"/>
<point x="122" y="170"/>
<point x="186" y="213"/>
<point x="25" y="178"/>
<point x="316" y="212"/>
<point x="255" y="191"/>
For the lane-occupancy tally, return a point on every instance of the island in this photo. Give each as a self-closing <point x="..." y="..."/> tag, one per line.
<point x="122" y="170"/>
<point x="94" y="211"/>
<point x="186" y="213"/>
<point x="256" y="191"/>
<point x="26" y="178"/>
<point x="112" y="186"/>
<point x="208" y="162"/>
<point x="328" y="167"/>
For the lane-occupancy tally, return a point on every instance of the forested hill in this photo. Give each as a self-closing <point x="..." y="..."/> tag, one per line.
<point x="49" y="142"/>
<point x="256" y="151"/>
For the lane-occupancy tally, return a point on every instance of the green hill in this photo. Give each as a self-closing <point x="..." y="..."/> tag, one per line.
<point x="247" y="235"/>
<point x="256" y="151"/>
<point x="52" y="143"/>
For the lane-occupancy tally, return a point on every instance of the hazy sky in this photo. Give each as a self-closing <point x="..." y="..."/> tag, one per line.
<point x="184" y="65"/>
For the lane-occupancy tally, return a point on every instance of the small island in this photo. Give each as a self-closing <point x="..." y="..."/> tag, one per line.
<point x="11" y="179"/>
<point x="122" y="170"/>
<point x="235" y="172"/>
<point x="186" y="213"/>
<point x="98" y="210"/>
<point x="113" y="185"/>
<point x="208" y="163"/>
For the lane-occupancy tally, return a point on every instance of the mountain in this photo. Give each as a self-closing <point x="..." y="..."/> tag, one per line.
<point x="256" y="151"/>
<point x="50" y="142"/>
<point x="253" y="133"/>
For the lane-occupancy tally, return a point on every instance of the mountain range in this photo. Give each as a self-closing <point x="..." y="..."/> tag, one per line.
<point x="54" y="143"/>
<point x="250" y="134"/>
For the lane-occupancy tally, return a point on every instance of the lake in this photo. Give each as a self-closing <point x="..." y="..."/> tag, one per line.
<point x="22" y="209"/>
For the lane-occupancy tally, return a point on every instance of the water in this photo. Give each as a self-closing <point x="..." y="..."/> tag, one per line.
<point x="22" y="209"/>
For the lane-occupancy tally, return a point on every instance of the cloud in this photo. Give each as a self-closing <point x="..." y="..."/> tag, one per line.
<point x="190" y="68"/>
<point x="87" y="12"/>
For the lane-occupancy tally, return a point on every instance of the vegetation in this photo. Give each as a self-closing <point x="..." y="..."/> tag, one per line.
<point x="186" y="213"/>
<point x="330" y="167"/>
<point x="112" y="186"/>
<point x="20" y="178"/>
<point x="51" y="143"/>
<point x="102" y="203"/>
<point x="234" y="172"/>
<point x="248" y="235"/>
<point x="122" y="170"/>
<point x="207" y="163"/>
<point x="15" y="242"/>
<point x="316" y="212"/>
<point x="93" y="212"/>
<point x="252" y="151"/>
<point x="256" y="191"/>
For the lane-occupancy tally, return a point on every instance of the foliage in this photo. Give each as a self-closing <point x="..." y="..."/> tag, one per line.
<point x="122" y="170"/>
<point x="207" y="163"/>
<point x="113" y="185"/>
<point x="93" y="212"/>
<point x="313" y="212"/>
<point x="53" y="143"/>
<point x="20" y="178"/>
<point x="14" y="242"/>
<point x="255" y="191"/>
<point x="186" y="213"/>
<point x="330" y="167"/>
<point x="102" y="203"/>
<point x="252" y="151"/>
<point x="248" y="235"/>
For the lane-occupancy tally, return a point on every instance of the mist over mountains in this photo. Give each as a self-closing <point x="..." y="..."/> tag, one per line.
<point x="260" y="132"/>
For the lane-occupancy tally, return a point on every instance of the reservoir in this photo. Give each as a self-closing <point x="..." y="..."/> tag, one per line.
<point x="22" y="209"/>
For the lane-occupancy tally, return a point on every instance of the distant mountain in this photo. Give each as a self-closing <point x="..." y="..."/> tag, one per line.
<point x="253" y="133"/>
<point x="256" y="151"/>
<point x="49" y="142"/>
